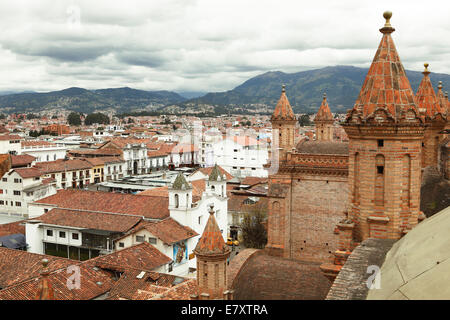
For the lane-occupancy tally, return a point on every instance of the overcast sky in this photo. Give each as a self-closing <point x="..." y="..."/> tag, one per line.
<point x="204" y="45"/>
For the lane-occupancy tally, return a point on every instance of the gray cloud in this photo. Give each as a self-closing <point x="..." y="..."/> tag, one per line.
<point x="203" y="45"/>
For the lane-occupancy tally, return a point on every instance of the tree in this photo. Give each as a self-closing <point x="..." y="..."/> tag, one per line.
<point x="99" y="118"/>
<point x="254" y="233"/>
<point x="74" y="119"/>
<point x="304" y="120"/>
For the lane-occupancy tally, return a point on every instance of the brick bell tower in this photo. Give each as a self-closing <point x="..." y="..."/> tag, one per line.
<point x="385" y="133"/>
<point x="324" y="122"/>
<point x="283" y="126"/>
<point x="435" y="119"/>
<point x="212" y="254"/>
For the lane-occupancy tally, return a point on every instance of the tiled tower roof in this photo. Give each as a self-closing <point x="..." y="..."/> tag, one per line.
<point x="211" y="242"/>
<point x="283" y="110"/>
<point x="324" y="113"/>
<point x="180" y="183"/>
<point x="215" y="174"/>
<point x="386" y="87"/>
<point x="426" y="99"/>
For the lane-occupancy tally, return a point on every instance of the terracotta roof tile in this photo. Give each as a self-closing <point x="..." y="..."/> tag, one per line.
<point x="22" y="160"/>
<point x="89" y="220"/>
<point x="142" y="256"/>
<point x="426" y="98"/>
<point x="211" y="241"/>
<point x="324" y="113"/>
<point x="168" y="230"/>
<point x="386" y="86"/>
<point x="146" y="206"/>
<point x="283" y="109"/>
<point x="63" y="165"/>
<point x="17" y="266"/>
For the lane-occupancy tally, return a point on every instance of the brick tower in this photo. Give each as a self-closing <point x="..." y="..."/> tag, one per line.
<point x="430" y="109"/>
<point x="385" y="133"/>
<point x="444" y="104"/>
<point x="283" y="126"/>
<point x="212" y="254"/>
<point x="324" y="122"/>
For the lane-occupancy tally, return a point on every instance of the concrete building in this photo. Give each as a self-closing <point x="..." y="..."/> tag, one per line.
<point x="21" y="186"/>
<point x="242" y="156"/>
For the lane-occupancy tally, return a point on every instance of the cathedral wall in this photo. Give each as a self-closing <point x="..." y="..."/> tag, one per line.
<point x="318" y="204"/>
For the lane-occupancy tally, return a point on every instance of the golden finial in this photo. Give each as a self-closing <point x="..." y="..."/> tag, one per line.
<point x="426" y="68"/>
<point x="387" y="26"/>
<point x="387" y="15"/>
<point x="440" y="85"/>
<point x="324" y="96"/>
<point x="44" y="263"/>
<point x="283" y="88"/>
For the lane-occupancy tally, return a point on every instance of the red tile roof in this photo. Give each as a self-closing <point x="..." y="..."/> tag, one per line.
<point x="142" y="256"/>
<point x="146" y="206"/>
<point x="168" y="230"/>
<point x="207" y="172"/>
<point x="283" y="109"/>
<point x="94" y="283"/>
<point x="16" y="265"/>
<point x="9" y="137"/>
<point x="89" y="220"/>
<point x="22" y="160"/>
<point x="149" y="285"/>
<point x="63" y="165"/>
<point x="12" y="228"/>
<point x="28" y="172"/>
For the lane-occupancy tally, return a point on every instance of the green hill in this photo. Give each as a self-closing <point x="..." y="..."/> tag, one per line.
<point x="305" y="89"/>
<point x="82" y="100"/>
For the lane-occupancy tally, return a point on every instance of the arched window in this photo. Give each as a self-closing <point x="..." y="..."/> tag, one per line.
<point x="187" y="200"/>
<point x="379" y="180"/>
<point x="223" y="191"/>
<point x="177" y="201"/>
<point x="356" y="179"/>
<point x="276" y="222"/>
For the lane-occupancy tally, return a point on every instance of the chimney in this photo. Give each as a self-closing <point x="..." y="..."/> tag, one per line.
<point x="45" y="289"/>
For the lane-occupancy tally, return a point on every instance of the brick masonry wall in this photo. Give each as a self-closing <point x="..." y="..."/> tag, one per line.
<point x="318" y="205"/>
<point x="400" y="212"/>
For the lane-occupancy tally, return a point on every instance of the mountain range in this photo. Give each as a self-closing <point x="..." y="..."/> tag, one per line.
<point x="305" y="89"/>
<point x="258" y="94"/>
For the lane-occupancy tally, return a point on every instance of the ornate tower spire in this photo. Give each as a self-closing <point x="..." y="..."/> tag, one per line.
<point x="212" y="254"/>
<point x="283" y="126"/>
<point x="324" y="121"/>
<point x="426" y="99"/>
<point x="429" y="107"/>
<point x="386" y="94"/>
<point x="384" y="179"/>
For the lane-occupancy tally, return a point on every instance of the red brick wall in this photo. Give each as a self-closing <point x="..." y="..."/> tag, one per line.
<point x="397" y="171"/>
<point x="318" y="205"/>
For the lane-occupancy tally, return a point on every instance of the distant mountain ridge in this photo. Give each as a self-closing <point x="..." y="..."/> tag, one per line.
<point x="305" y="89"/>
<point x="83" y="100"/>
<point x="258" y="94"/>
